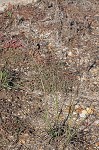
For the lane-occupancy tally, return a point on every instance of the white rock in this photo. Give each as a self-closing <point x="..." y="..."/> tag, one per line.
<point x="70" y="53"/>
<point x="83" y="114"/>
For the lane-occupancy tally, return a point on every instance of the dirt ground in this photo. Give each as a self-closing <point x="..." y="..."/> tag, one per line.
<point x="49" y="62"/>
<point x="5" y="3"/>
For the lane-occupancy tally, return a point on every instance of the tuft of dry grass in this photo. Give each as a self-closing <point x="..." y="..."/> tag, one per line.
<point x="51" y="77"/>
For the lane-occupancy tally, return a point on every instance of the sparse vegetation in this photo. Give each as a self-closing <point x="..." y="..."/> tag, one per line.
<point x="49" y="76"/>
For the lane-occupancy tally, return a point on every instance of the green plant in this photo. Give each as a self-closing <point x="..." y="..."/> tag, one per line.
<point x="5" y="79"/>
<point x="9" y="13"/>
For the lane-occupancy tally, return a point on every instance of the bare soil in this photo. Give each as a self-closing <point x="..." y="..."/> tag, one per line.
<point x="59" y="38"/>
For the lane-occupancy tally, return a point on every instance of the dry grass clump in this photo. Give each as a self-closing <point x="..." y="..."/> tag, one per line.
<point x="52" y="77"/>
